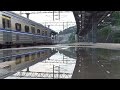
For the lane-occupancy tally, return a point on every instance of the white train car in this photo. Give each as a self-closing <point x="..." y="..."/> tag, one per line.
<point x="18" y="30"/>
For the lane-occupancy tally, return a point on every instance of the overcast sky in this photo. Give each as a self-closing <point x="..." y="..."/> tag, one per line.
<point x="56" y="24"/>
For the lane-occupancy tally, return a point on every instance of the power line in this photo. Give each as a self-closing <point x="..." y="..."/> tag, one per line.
<point x="53" y="12"/>
<point x="37" y="12"/>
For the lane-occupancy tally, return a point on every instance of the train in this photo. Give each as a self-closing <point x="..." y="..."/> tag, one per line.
<point x="16" y="30"/>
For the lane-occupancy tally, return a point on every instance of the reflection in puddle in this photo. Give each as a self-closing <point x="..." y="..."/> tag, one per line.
<point x="60" y="63"/>
<point x="16" y="60"/>
<point x="56" y="66"/>
<point x="97" y="64"/>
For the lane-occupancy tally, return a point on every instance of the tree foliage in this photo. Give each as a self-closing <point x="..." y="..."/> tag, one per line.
<point x="116" y="18"/>
<point x="106" y="32"/>
<point x="72" y="38"/>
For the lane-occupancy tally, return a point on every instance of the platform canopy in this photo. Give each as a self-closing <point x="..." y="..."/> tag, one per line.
<point x="84" y="20"/>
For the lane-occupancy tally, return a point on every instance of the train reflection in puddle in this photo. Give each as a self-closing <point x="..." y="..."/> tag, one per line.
<point x="12" y="61"/>
<point x="58" y="66"/>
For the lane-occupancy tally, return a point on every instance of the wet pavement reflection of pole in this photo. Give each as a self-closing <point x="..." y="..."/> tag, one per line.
<point x="86" y="67"/>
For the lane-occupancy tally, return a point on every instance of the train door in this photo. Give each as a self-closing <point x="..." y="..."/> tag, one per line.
<point x="7" y="35"/>
<point x="18" y="28"/>
<point x="33" y="32"/>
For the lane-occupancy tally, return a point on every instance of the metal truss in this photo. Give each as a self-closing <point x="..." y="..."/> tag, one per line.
<point x="42" y="75"/>
<point x="84" y="20"/>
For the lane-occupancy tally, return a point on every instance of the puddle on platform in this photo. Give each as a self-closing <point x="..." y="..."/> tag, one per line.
<point x="60" y="63"/>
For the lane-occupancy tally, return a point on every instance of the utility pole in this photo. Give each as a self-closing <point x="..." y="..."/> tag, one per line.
<point x="59" y="72"/>
<point x="20" y="12"/>
<point x="28" y="15"/>
<point x="53" y="15"/>
<point x="63" y="25"/>
<point x="59" y="15"/>
<point x="53" y="71"/>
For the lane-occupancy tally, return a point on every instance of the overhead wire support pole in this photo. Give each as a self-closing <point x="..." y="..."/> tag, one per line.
<point x="94" y="28"/>
<point x="59" y="72"/>
<point x="63" y="25"/>
<point x="53" y="15"/>
<point x="28" y="15"/>
<point x="53" y="71"/>
<point x="20" y="12"/>
<point x="59" y="15"/>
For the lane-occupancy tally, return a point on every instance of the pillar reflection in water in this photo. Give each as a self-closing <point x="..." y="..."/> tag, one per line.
<point x="86" y="65"/>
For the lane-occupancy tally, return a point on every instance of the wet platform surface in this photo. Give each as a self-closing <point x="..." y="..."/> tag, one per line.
<point x="66" y="61"/>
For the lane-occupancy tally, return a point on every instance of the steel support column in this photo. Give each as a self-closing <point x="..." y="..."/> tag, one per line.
<point x="28" y="69"/>
<point x="85" y="38"/>
<point x="88" y="37"/>
<point x="94" y="28"/>
<point x="76" y="38"/>
<point x="94" y="55"/>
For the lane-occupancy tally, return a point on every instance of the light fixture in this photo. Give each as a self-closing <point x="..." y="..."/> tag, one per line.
<point x="79" y="15"/>
<point x="108" y="15"/>
<point x="102" y="20"/>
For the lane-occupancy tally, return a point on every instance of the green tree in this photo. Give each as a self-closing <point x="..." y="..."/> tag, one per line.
<point x="103" y="33"/>
<point x="72" y="38"/>
<point x="115" y="18"/>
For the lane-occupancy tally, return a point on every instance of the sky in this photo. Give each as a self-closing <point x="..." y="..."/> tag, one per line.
<point x="47" y="19"/>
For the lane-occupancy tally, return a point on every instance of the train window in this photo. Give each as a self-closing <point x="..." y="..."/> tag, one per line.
<point x="42" y="53"/>
<point x="18" y="60"/>
<point x="33" y="56"/>
<point x="6" y="21"/>
<point x="38" y="31"/>
<point x="26" y="28"/>
<point x="26" y="57"/>
<point x="33" y="29"/>
<point x="18" y="26"/>
<point x="46" y="33"/>
<point x="3" y="21"/>
<point x="38" y="54"/>
<point x="42" y="32"/>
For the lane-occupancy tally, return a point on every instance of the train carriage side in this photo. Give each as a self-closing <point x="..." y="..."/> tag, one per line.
<point x="48" y="36"/>
<point x="21" y="36"/>
<point x="1" y="32"/>
<point x="25" y="36"/>
<point x="19" y="30"/>
<point x="9" y="35"/>
<point x="34" y="29"/>
<point x="5" y="27"/>
<point x="40" y="34"/>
